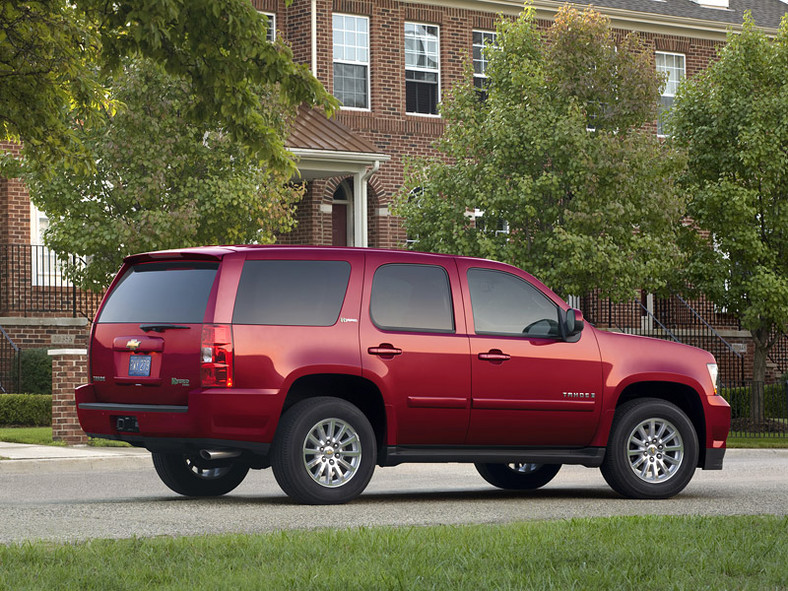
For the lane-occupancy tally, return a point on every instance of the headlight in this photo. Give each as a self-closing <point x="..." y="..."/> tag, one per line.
<point x="713" y="371"/>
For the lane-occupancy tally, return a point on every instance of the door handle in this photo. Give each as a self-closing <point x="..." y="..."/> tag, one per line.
<point x="495" y="355"/>
<point x="384" y="350"/>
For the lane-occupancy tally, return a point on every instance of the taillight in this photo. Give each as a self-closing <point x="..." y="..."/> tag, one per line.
<point x="216" y="356"/>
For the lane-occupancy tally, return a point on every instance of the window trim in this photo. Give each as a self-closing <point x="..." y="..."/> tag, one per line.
<point x="662" y="92"/>
<point x="367" y="64"/>
<point x="484" y="61"/>
<point x="437" y="70"/>
<point x="271" y="25"/>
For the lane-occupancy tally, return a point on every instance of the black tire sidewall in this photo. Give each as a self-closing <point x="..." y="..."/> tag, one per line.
<point x="287" y="459"/>
<point x="176" y="474"/>
<point x="616" y="468"/>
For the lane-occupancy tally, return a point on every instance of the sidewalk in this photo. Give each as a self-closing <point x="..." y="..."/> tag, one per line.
<point x="19" y="458"/>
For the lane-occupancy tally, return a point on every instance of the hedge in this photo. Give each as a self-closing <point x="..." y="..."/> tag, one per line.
<point x="26" y="410"/>
<point x="775" y="399"/>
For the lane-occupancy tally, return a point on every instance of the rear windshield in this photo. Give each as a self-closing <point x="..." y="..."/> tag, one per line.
<point x="291" y="293"/>
<point x="171" y="292"/>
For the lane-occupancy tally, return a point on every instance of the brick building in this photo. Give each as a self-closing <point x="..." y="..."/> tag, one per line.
<point x="390" y="62"/>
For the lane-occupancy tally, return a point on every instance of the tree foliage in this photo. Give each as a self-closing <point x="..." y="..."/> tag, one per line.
<point x="556" y="153"/>
<point x="159" y="181"/>
<point x="733" y="121"/>
<point x="55" y="55"/>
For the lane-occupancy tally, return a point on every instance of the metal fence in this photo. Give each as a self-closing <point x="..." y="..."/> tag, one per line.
<point x="10" y="364"/>
<point x="774" y="423"/>
<point x="33" y="282"/>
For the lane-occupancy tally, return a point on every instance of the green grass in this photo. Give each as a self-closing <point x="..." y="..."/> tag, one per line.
<point x="43" y="436"/>
<point x="694" y="553"/>
<point x="742" y="441"/>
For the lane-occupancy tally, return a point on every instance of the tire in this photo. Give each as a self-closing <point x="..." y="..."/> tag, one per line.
<point x="192" y="476"/>
<point x="313" y="473"/>
<point x="652" y="452"/>
<point x="518" y="476"/>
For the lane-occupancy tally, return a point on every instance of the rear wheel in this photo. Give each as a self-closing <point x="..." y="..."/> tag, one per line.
<point x="652" y="452"/>
<point x="518" y="476"/>
<point x="194" y="477"/>
<point x="324" y="451"/>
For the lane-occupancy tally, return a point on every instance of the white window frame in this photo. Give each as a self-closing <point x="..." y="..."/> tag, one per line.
<point x="488" y="38"/>
<point x="271" y="35"/>
<point x="671" y="85"/>
<point x="45" y="268"/>
<point x="355" y="62"/>
<point x="436" y="70"/>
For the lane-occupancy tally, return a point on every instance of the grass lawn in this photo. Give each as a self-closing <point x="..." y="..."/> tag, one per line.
<point x="694" y="553"/>
<point x="43" y="436"/>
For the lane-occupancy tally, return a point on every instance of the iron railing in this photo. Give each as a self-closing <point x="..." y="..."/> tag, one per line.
<point x="671" y="319"/>
<point x="774" y="423"/>
<point x="33" y="282"/>
<point x="10" y="364"/>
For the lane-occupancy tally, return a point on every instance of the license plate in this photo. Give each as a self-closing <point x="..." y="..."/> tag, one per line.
<point x="139" y="365"/>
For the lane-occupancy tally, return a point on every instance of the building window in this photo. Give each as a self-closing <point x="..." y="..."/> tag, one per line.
<point x="45" y="268"/>
<point x="351" y="60"/>
<point x="672" y="64"/>
<point x="422" y="71"/>
<point x="480" y="59"/>
<point x="270" y="35"/>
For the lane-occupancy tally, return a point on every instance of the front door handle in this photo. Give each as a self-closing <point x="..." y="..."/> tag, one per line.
<point x="495" y="355"/>
<point x="385" y="350"/>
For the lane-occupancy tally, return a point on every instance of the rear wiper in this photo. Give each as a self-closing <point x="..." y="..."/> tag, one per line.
<point x="161" y="327"/>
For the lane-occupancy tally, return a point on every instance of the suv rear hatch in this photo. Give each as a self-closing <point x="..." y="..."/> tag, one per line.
<point x="147" y="338"/>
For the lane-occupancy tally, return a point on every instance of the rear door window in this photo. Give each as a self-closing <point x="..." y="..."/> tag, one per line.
<point x="413" y="298"/>
<point x="291" y="293"/>
<point x="162" y="292"/>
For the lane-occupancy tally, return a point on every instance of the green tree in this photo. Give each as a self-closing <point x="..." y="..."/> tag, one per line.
<point x="55" y="55"/>
<point x="556" y="153"/>
<point x="733" y="121"/>
<point x="159" y="181"/>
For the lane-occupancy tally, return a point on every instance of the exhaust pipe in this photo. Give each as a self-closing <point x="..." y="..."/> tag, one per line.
<point x="217" y="454"/>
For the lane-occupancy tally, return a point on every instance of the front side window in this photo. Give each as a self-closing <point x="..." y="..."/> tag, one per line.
<point x="422" y="70"/>
<point x="481" y="39"/>
<point x="291" y="293"/>
<point x="506" y="305"/>
<point x="351" y="60"/>
<point x="672" y="64"/>
<point x="412" y="298"/>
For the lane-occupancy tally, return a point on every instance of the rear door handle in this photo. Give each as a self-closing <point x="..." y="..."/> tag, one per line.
<point x="384" y="350"/>
<point x="495" y="355"/>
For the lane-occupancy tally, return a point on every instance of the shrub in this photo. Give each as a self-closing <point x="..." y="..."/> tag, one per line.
<point x="36" y="371"/>
<point x="775" y="398"/>
<point x="26" y="410"/>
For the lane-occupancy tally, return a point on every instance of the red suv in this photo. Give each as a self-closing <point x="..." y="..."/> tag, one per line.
<point x="323" y="362"/>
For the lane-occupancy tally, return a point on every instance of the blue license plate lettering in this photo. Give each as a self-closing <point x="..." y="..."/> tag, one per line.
<point x="139" y="365"/>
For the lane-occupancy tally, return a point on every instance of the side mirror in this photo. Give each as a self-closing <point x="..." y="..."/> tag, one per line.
<point x="573" y="323"/>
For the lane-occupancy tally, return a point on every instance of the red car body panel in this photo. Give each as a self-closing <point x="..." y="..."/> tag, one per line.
<point x="434" y="387"/>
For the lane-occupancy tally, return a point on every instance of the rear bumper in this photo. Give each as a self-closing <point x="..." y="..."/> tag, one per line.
<point x="243" y="419"/>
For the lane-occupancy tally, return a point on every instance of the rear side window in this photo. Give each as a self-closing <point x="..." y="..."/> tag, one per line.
<point x="166" y="292"/>
<point x="291" y="293"/>
<point x="504" y="304"/>
<point x="414" y="298"/>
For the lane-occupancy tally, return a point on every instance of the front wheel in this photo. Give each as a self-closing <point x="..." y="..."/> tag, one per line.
<point x="652" y="452"/>
<point x="194" y="477"/>
<point x="518" y="476"/>
<point x="324" y="451"/>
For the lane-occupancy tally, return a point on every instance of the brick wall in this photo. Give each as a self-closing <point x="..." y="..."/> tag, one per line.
<point x="14" y="206"/>
<point x="38" y="333"/>
<point x="68" y="371"/>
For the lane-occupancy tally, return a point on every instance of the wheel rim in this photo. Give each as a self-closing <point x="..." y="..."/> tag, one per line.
<point x="524" y="468"/>
<point x="655" y="451"/>
<point x="332" y="452"/>
<point x="206" y="473"/>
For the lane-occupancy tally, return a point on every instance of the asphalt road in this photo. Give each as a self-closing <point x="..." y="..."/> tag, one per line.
<point x="75" y="506"/>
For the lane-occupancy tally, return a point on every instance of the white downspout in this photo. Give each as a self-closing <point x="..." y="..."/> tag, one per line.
<point x="314" y="38"/>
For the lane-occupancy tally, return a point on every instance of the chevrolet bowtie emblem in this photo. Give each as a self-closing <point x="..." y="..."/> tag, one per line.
<point x="133" y="344"/>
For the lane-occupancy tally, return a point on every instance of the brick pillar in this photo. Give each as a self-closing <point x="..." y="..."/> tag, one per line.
<point x="68" y="371"/>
